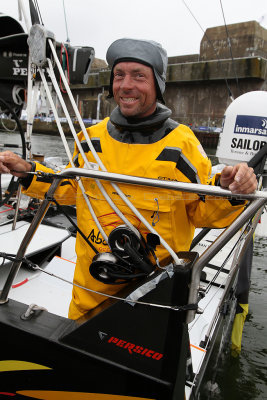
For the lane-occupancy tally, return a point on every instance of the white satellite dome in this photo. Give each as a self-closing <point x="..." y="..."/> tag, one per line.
<point x="245" y="128"/>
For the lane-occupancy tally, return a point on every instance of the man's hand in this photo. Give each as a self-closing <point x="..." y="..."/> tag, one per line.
<point x="238" y="179"/>
<point x="11" y="163"/>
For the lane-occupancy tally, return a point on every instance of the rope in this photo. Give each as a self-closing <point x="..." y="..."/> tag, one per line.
<point x="8" y="129"/>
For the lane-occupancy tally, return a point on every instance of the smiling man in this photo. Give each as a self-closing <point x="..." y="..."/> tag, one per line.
<point x="138" y="139"/>
<point x="134" y="89"/>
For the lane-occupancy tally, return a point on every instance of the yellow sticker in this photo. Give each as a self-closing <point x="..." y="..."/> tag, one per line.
<point x="56" y="395"/>
<point x="17" y="365"/>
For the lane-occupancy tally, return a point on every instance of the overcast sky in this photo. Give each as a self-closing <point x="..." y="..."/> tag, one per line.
<point x="98" y="23"/>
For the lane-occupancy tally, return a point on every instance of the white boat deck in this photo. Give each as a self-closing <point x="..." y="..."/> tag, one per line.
<point x="34" y="286"/>
<point x="44" y="290"/>
<point x="45" y="237"/>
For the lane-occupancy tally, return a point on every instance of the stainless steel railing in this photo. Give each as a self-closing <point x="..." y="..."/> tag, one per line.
<point x="258" y="199"/>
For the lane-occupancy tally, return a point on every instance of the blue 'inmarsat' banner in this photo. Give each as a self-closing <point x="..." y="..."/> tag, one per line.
<point x="251" y="125"/>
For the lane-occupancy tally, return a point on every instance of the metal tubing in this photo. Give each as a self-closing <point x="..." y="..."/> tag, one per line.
<point x="234" y="267"/>
<point x="17" y="208"/>
<point x="25" y="243"/>
<point x="177" y="186"/>
<point x="180" y="186"/>
<point x="216" y="246"/>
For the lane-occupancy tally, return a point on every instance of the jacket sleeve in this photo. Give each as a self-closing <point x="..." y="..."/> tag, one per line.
<point x="207" y="211"/>
<point x="212" y="212"/>
<point x="66" y="192"/>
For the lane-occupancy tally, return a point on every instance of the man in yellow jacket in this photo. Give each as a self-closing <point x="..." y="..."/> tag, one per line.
<point x="138" y="139"/>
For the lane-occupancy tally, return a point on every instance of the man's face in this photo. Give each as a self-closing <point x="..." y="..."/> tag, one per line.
<point x="134" y="89"/>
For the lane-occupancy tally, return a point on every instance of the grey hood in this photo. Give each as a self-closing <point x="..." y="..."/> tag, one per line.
<point x="143" y="51"/>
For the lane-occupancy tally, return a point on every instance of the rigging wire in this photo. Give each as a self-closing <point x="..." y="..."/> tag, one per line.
<point x="228" y="257"/>
<point x="35" y="267"/>
<point x="214" y="49"/>
<point x="103" y="191"/>
<point x="64" y="141"/>
<point x="210" y="284"/>
<point x="35" y="13"/>
<point x="101" y="165"/>
<point x="38" y="10"/>
<point x="49" y="41"/>
<point x="64" y="59"/>
<point x="66" y="25"/>
<point x="230" y="48"/>
<point x="99" y="184"/>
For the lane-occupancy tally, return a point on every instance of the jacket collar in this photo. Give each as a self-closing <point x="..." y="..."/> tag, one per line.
<point x="157" y="118"/>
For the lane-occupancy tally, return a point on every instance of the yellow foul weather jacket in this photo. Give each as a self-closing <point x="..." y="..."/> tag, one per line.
<point x="178" y="156"/>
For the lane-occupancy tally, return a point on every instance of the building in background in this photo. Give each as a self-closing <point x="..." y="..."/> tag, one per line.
<point x="198" y="86"/>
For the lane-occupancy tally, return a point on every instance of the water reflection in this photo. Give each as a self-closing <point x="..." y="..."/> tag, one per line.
<point x="50" y="146"/>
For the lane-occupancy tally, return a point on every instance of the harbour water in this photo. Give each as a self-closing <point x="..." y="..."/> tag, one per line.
<point x="238" y="378"/>
<point x="244" y="377"/>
